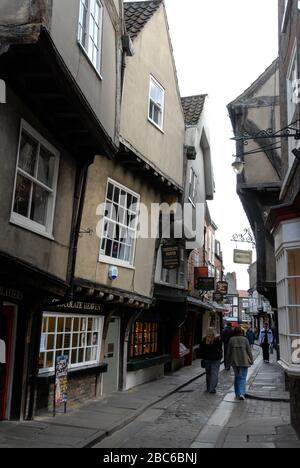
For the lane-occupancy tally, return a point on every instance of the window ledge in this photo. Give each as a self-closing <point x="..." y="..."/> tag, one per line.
<point x="115" y="262"/>
<point x="73" y="373"/>
<point x="172" y="285"/>
<point x="31" y="227"/>
<point x="89" y="60"/>
<point x="156" y="126"/>
<point x="293" y="370"/>
<point x="146" y="363"/>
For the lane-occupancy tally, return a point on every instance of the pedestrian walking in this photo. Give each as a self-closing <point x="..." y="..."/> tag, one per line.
<point x="240" y="358"/>
<point x="211" y="353"/>
<point x="227" y="334"/>
<point x="266" y="341"/>
<point x="250" y="335"/>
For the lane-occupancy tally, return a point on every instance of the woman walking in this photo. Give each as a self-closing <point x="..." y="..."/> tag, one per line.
<point x="241" y="358"/>
<point x="211" y="352"/>
<point x="250" y="335"/>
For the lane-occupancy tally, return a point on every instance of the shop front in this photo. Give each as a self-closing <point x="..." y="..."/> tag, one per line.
<point x="75" y="332"/>
<point x="148" y="347"/>
<point x="287" y="243"/>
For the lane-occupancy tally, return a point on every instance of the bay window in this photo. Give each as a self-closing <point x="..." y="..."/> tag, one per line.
<point x="288" y="275"/>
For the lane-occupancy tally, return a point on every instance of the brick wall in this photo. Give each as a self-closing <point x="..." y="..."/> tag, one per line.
<point x="80" y="390"/>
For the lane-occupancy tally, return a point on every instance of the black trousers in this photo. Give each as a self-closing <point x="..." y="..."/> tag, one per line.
<point x="266" y="351"/>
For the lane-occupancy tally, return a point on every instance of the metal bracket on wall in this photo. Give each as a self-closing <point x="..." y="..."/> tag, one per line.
<point x="246" y="237"/>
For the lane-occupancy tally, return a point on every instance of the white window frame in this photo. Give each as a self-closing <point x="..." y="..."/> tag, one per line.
<point x="156" y="83"/>
<point x="114" y="261"/>
<point x="76" y="366"/>
<point x="193" y="186"/>
<point x="87" y="47"/>
<point x="22" y="221"/>
<point x="284" y="306"/>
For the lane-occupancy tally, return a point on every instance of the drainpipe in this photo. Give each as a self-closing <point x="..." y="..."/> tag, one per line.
<point x="79" y="199"/>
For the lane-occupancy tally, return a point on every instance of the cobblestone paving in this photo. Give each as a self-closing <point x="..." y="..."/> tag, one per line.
<point x="176" y="421"/>
<point x="192" y="418"/>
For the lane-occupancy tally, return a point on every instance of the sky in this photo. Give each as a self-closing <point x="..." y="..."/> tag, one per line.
<point x="220" y="48"/>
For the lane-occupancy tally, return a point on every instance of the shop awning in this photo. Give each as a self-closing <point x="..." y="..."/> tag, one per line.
<point x="200" y="304"/>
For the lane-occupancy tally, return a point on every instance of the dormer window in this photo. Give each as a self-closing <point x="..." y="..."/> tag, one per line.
<point x="156" y="103"/>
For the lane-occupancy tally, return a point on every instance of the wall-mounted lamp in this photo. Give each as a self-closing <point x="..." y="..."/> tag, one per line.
<point x="238" y="165"/>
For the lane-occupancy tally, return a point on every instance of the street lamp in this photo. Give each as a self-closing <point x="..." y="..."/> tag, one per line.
<point x="238" y="166"/>
<point x="265" y="135"/>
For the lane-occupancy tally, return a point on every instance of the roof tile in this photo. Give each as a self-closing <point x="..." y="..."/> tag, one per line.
<point x="193" y="108"/>
<point x="137" y="15"/>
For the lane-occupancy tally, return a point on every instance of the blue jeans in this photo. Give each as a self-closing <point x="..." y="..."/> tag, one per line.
<point x="212" y="374"/>
<point x="240" y="383"/>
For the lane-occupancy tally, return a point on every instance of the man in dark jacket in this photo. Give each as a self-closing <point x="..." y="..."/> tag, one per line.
<point x="227" y="334"/>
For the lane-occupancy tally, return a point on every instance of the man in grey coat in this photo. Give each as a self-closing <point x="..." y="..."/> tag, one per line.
<point x="240" y="358"/>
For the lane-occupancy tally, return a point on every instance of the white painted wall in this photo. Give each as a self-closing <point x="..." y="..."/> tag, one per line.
<point x="133" y="379"/>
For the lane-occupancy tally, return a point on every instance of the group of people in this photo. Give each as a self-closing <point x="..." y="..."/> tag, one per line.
<point x="237" y="354"/>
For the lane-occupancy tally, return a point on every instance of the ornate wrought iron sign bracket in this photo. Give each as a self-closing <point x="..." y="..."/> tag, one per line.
<point x="246" y="237"/>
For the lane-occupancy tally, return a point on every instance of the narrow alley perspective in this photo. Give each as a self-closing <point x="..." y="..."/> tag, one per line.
<point x="149" y="227"/>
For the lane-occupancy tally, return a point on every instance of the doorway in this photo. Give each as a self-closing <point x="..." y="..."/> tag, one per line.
<point x="7" y="335"/>
<point x="112" y="357"/>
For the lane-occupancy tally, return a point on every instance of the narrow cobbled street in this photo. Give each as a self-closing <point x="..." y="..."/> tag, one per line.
<point x="193" y="418"/>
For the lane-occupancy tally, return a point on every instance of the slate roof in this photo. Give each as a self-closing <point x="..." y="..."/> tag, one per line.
<point x="137" y="15"/>
<point x="193" y="108"/>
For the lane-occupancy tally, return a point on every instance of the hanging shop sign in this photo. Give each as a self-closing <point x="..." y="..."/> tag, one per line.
<point x="218" y="298"/>
<point x="243" y="257"/>
<point x="201" y="272"/>
<point x="170" y="257"/>
<point x="205" y="284"/>
<point x="222" y="288"/>
<point x="61" y="382"/>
